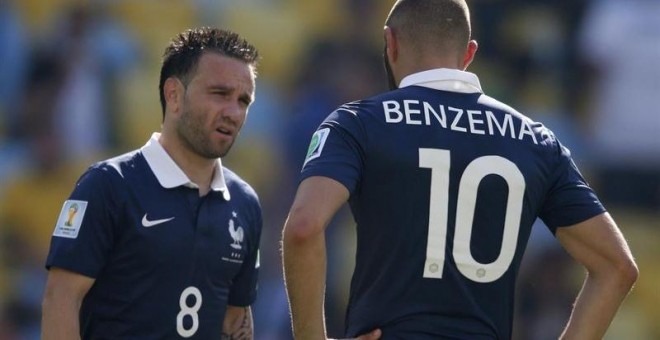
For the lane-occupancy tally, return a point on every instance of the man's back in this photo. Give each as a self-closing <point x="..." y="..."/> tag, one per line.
<point x="444" y="184"/>
<point x="445" y="187"/>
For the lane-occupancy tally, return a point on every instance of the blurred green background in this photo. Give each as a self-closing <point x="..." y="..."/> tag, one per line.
<point x="79" y="83"/>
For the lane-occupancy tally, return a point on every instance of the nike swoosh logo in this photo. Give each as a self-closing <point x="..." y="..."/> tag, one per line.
<point x="146" y="223"/>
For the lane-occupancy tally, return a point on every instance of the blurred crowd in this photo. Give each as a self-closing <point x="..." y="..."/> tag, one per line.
<point x="79" y="83"/>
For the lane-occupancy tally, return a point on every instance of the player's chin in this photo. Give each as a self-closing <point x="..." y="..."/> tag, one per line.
<point x="222" y="150"/>
<point x="214" y="150"/>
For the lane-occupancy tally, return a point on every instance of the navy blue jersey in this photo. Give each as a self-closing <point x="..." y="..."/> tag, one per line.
<point x="444" y="187"/>
<point x="166" y="261"/>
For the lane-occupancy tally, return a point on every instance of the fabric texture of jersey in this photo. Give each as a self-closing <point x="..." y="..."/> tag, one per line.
<point x="445" y="184"/>
<point x="166" y="262"/>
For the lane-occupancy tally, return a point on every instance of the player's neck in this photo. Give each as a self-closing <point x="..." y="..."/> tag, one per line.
<point x="198" y="169"/>
<point x="421" y="63"/>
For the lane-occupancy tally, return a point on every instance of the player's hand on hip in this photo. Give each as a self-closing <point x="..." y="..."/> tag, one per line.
<point x="373" y="335"/>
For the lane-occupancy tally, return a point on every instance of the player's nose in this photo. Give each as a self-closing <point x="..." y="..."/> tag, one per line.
<point x="233" y="111"/>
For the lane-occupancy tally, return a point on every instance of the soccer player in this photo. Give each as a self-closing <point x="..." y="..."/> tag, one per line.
<point x="162" y="242"/>
<point x="444" y="183"/>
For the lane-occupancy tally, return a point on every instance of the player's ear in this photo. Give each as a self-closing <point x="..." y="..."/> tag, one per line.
<point x="471" y="50"/>
<point x="391" y="44"/>
<point x="173" y="91"/>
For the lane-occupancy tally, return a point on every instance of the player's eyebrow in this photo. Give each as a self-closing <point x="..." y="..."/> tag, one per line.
<point x="248" y="98"/>
<point x="220" y="87"/>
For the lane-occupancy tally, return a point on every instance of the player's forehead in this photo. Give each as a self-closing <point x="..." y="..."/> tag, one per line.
<point x="215" y="69"/>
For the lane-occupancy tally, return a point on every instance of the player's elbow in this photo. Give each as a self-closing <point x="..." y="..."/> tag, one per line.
<point x="628" y="272"/>
<point x="622" y="272"/>
<point x="299" y="229"/>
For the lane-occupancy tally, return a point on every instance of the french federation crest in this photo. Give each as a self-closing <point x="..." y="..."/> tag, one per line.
<point x="236" y="233"/>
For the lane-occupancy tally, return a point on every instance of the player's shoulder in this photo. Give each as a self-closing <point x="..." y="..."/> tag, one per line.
<point x="495" y="104"/>
<point x="544" y="135"/>
<point x="107" y="177"/>
<point x="238" y="186"/>
<point x="117" y="167"/>
<point x="354" y="114"/>
<point x="367" y="106"/>
<point x="243" y="196"/>
<point x="374" y="103"/>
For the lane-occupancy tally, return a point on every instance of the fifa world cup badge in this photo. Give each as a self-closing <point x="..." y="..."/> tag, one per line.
<point x="70" y="220"/>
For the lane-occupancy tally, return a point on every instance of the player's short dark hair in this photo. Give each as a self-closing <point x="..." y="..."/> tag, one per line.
<point x="184" y="51"/>
<point x="431" y="24"/>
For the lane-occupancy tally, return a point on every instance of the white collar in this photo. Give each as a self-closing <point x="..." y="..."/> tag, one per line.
<point x="444" y="79"/>
<point x="169" y="174"/>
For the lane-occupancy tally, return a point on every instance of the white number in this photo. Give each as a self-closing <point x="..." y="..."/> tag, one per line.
<point x="189" y="310"/>
<point x="439" y="163"/>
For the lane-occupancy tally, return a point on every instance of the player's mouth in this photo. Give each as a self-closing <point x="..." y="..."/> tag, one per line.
<point x="224" y="131"/>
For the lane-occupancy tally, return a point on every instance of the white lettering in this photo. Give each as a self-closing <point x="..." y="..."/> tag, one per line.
<point x="410" y="111"/>
<point x="392" y="106"/>
<point x="473" y="121"/>
<point x="476" y="122"/>
<point x="508" y="122"/>
<point x="525" y="129"/>
<point x="428" y="109"/>
<point x="457" y="118"/>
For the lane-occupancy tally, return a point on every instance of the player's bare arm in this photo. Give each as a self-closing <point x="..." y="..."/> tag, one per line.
<point x="238" y="324"/>
<point x="598" y="244"/>
<point x="304" y="254"/>
<point x="63" y="295"/>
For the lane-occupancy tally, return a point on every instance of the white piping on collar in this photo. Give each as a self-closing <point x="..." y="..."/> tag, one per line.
<point x="444" y="79"/>
<point x="170" y="175"/>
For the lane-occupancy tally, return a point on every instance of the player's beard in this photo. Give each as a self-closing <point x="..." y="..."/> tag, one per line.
<point x="391" y="82"/>
<point x="192" y="134"/>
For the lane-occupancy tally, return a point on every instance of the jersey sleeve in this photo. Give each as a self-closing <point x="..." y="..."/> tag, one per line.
<point x="570" y="200"/>
<point x="244" y="286"/>
<point x="337" y="149"/>
<point x="83" y="233"/>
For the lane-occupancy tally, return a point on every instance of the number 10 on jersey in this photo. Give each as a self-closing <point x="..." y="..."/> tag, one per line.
<point x="439" y="162"/>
